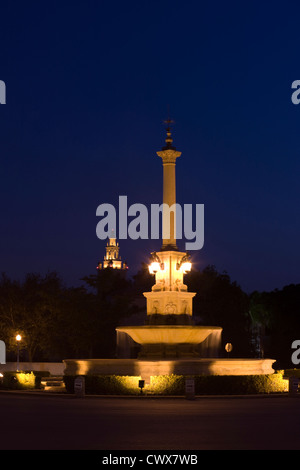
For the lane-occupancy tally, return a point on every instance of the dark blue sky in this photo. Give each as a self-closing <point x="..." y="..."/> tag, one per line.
<point x="88" y="87"/>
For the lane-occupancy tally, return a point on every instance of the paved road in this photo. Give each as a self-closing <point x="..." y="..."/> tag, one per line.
<point x="65" y="422"/>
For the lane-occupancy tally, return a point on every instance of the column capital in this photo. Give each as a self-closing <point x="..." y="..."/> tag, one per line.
<point x="169" y="155"/>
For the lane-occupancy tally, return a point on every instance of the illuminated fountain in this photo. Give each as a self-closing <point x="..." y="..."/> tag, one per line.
<point x="169" y="342"/>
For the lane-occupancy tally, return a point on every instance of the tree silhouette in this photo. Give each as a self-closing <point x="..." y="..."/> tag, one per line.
<point x="221" y="302"/>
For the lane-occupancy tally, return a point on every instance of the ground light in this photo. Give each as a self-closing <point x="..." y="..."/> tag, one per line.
<point x="141" y="385"/>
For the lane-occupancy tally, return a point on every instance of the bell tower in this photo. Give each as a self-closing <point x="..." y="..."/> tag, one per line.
<point x="112" y="258"/>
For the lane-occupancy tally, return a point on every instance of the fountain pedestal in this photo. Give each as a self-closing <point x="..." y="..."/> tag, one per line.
<point x="169" y="298"/>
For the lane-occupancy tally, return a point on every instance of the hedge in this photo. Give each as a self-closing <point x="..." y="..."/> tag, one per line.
<point x="175" y="385"/>
<point x="22" y="380"/>
<point x="106" y="384"/>
<point x="164" y="385"/>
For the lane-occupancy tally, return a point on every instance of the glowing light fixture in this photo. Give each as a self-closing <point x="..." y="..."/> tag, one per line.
<point x="156" y="264"/>
<point x="185" y="265"/>
<point x="154" y="267"/>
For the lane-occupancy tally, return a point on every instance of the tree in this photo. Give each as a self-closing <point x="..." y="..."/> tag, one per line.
<point x="29" y="308"/>
<point x="221" y="302"/>
<point x="111" y="302"/>
<point x="143" y="280"/>
<point x="278" y="312"/>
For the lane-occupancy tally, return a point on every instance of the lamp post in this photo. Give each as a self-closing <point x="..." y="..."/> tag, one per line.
<point x="18" y="339"/>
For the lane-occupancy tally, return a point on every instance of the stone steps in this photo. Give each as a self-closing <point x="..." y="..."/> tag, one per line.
<point x="53" y="383"/>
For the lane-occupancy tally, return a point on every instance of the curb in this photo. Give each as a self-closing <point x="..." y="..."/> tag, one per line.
<point x="149" y="397"/>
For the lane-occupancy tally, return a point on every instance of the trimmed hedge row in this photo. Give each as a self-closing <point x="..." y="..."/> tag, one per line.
<point x="23" y="380"/>
<point x="105" y="384"/>
<point x="175" y="385"/>
<point x="160" y="385"/>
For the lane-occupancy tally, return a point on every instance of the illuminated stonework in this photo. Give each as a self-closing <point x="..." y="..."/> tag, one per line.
<point x="169" y="330"/>
<point x="169" y="294"/>
<point x="111" y="257"/>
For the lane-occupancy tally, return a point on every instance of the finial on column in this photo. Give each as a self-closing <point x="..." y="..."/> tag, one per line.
<point x="169" y="139"/>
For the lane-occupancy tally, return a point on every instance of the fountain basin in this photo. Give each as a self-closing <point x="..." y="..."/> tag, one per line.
<point x="186" y="367"/>
<point x="168" y="334"/>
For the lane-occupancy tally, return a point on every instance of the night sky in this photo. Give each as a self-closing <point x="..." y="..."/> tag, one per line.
<point x="88" y="88"/>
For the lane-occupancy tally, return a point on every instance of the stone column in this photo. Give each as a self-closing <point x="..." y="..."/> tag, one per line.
<point x="169" y="155"/>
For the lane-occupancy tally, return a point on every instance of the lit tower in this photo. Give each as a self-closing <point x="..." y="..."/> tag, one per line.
<point x="112" y="258"/>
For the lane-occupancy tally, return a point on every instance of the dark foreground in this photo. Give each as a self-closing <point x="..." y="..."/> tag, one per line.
<point x="65" y="422"/>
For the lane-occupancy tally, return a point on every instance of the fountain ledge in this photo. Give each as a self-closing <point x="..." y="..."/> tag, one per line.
<point x="186" y="367"/>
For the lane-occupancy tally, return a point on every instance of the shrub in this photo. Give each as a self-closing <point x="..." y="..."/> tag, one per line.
<point x="19" y="380"/>
<point x="240" y="385"/>
<point x="175" y="384"/>
<point x="167" y="385"/>
<point x="106" y="384"/>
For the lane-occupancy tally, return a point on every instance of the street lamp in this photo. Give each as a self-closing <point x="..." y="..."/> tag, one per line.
<point x="18" y="338"/>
